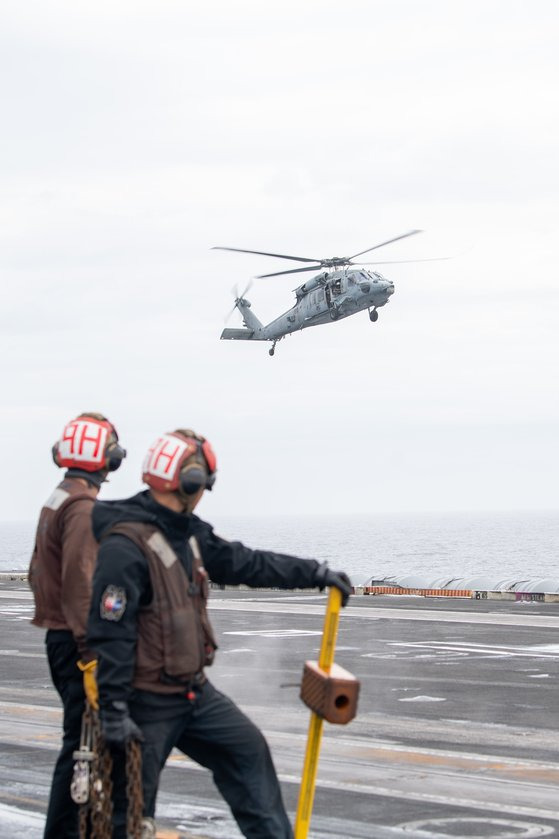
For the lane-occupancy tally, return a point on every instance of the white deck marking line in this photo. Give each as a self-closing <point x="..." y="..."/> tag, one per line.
<point x="19" y="817"/>
<point x="495" y="650"/>
<point x="447" y="800"/>
<point x="389" y="613"/>
<point x="19" y="654"/>
<point x="274" y="633"/>
<point x="331" y="746"/>
<point x="180" y="761"/>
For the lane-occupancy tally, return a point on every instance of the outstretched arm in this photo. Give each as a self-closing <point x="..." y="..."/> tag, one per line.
<point x="231" y="563"/>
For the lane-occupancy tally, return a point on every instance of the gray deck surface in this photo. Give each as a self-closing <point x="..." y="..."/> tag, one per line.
<point x="455" y="736"/>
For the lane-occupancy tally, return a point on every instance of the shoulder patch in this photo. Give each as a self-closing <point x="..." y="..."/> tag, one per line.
<point x="57" y="499"/>
<point x="113" y="603"/>
<point x="162" y="548"/>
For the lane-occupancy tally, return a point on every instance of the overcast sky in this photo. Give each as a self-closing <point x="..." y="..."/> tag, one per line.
<point x="137" y="135"/>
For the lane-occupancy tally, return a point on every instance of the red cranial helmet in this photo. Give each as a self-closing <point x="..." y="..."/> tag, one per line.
<point x="89" y="443"/>
<point x="180" y="461"/>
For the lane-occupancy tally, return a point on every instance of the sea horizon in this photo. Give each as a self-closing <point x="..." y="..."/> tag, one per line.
<point x="507" y="543"/>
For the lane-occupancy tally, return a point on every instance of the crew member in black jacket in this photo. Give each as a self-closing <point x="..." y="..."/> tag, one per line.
<point x="149" y="626"/>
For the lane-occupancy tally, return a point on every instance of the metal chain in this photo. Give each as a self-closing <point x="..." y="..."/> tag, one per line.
<point x="134" y="790"/>
<point x="83" y="820"/>
<point x="80" y="788"/>
<point x="92" y="785"/>
<point x="101" y="788"/>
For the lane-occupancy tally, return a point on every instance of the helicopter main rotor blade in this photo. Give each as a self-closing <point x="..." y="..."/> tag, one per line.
<point x="399" y="261"/>
<point x="265" y="253"/>
<point x="388" y="242"/>
<point x="293" y="271"/>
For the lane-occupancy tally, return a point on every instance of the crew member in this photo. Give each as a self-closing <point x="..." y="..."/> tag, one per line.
<point x="149" y="626"/>
<point x="60" y="576"/>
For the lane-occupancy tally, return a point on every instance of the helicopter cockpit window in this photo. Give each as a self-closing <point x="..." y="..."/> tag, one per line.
<point x="336" y="287"/>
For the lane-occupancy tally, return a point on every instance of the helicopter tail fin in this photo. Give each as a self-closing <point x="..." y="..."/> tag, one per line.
<point x="249" y="318"/>
<point x="237" y="334"/>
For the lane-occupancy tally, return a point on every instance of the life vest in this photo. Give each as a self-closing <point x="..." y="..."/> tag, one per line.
<point x="175" y="640"/>
<point x="64" y="559"/>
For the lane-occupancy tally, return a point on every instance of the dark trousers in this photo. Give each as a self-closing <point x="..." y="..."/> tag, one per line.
<point x="216" y="734"/>
<point x="62" y="812"/>
<point x="62" y="654"/>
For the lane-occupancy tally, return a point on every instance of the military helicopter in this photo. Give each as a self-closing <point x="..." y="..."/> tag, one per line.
<point x="337" y="292"/>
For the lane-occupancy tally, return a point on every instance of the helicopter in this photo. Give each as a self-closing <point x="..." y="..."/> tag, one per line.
<point x="343" y="288"/>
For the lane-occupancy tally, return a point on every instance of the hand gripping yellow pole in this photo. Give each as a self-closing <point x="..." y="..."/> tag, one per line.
<point x="308" y="780"/>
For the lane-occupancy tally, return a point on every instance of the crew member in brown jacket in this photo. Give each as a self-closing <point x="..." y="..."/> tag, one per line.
<point x="60" y="576"/>
<point x="149" y="626"/>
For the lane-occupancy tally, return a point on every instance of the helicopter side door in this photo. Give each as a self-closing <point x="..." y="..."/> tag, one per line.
<point x="315" y="303"/>
<point x="333" y="290"/>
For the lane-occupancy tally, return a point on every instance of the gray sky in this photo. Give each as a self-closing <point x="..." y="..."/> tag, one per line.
<point x="137" y="135"/>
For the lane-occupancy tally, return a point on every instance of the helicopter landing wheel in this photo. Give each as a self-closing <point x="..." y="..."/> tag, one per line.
<point x="333" y="314"/>
<point x="373" y="315"/>
<point x="271" y="352"/>
<point x="273" y="348"/>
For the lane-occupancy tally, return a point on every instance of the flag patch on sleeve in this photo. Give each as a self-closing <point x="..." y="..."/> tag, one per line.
<point x="113" y="603"/>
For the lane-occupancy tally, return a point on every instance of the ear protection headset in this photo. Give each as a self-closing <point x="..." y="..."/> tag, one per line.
<point x="198" y="473"/>
<point x="90" y="443"/>
<point x="114" y="454"/>
<point x="180" y="461"/>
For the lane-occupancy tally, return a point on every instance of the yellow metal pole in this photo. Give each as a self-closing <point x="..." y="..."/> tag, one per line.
<point x="326" y="659"/>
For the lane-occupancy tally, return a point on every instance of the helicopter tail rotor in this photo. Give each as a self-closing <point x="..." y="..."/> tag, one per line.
<point x="238" y="297"/>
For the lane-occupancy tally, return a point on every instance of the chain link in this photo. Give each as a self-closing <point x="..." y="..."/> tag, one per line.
<point x="134" y="790"/>
<point x="96" y="812"/>
<point x="101" y="789"/>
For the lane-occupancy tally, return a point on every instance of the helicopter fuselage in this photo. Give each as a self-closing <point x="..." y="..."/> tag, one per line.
<point x="326" y="297"/>
<point x="342" y="289"/>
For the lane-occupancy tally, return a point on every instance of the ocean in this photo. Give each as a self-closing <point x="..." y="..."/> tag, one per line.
<point x="523" y="545"/>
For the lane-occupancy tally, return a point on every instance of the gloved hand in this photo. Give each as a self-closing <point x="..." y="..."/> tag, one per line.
<point x="117" y="726"/>
<point x="333" y="579"/>
<point x="88" y="669"/>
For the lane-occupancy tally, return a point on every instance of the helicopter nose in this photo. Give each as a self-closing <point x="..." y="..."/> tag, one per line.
<point x="390" y="288"/>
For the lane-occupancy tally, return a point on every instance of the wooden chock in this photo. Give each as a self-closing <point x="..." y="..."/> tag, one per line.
<point x="333" y="696"/>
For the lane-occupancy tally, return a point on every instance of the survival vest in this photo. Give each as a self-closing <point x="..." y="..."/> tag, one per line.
<point x="64" y="559"/>
<point x="175" y="637"/>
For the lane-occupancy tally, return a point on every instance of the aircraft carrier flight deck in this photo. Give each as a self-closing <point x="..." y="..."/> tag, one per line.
<point x="455" y="736"/>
